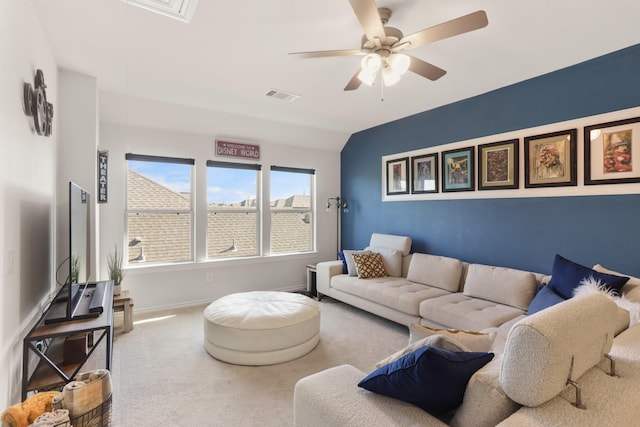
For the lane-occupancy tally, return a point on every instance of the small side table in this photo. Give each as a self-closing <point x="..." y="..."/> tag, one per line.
<point x="124" y="302"/>
<point x="311" y="280"/>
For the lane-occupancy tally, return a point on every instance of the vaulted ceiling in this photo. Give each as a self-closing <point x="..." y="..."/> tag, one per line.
<point x="233" y="52"/>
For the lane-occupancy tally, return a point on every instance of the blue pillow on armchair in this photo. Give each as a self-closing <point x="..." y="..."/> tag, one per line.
<point x="431" y="378"/>
<point x="545" y="297"/>
<point x="566" y="276"/>
<point x="344" y="262"/>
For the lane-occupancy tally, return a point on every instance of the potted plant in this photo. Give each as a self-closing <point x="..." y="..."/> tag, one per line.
<point x="75" y="269"/>
<point x="116" y="272"/>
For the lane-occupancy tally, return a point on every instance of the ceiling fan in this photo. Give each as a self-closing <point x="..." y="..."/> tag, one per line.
<point x="381" y="45"/>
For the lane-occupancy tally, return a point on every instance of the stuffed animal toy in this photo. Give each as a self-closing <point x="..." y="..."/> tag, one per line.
<point x="25" y="413"/>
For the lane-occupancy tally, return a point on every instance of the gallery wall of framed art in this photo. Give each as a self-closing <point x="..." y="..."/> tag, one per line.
<point x="588" y="156"/>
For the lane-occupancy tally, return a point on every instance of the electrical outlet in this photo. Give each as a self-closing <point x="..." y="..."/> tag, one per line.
<point x="9" y="260"/>
<point x="209" y="277"/>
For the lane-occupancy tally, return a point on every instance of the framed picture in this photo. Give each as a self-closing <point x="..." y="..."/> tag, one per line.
<point x="398" y="176"/>
<point x="608" y="152"/>
<point x="498" y="165"/>
<point x="550" y="159"/>
<point x="458" y="172"/>
<point x="424" y="174"/>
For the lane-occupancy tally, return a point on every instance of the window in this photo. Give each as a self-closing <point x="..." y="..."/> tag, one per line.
<point x="159" y="209"/>
<point x="291" y="213"/>
<point x="233" y="209"/>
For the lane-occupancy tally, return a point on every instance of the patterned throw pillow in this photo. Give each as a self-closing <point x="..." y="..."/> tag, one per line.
<point x="369" y="265"/>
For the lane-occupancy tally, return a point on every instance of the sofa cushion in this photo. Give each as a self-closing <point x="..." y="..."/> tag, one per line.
<point x="392" y="292"/>
<point x="429" y="377"/>
<point x="502" y="285"/>
<point x="566" y="276"/>
<point x="391" y="259"/>
<point x="401" y="243"/>
<point x="546" y="297"/>
<point x="438" y="271"/>
<point x="437" y="340"/>
<point x="369" y="265"/>
<point x="631" y="289"/>
<point x="548" y="348"/>
<point x="459" y="311"/>
<point x="485" y="403"/>
<point x="474" y="341"/>
<point x="332" y="398"/>
<point x="351" y="264"/>
<point x="628" y="312"/>
<point x="630" y="300"/>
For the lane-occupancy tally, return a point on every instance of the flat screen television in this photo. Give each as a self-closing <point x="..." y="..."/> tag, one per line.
<point x="67" y="302"/>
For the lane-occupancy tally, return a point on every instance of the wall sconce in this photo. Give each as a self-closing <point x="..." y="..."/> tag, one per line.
<point x="137" y="241"/>
<point x="339" y="204"/>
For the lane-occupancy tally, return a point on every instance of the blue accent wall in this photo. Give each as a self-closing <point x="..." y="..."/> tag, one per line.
<point x="523" y="233"/>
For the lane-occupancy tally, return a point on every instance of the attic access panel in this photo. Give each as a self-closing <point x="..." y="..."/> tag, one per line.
<point x="181" y="10"/>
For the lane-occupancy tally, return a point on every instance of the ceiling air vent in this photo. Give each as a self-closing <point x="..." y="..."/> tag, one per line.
<point x="278" y="94"/>
<point x="181" y="10"/>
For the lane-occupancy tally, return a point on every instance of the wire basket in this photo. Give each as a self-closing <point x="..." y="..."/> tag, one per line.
<point x="100" y="416"/>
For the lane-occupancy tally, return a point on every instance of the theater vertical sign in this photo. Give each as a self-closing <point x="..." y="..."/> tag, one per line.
<point x="103" y="159"/>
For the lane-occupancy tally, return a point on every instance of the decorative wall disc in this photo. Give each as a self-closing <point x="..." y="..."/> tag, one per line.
<point x="36" y="105"/>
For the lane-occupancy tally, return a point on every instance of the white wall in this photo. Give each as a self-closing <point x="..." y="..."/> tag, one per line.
<point x="77" y="157"/>
<point x="167" y="286"/>
<point x="27" y="190"/>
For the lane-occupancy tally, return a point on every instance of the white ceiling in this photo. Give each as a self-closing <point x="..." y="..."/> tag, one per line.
<point x="233" y="52"/>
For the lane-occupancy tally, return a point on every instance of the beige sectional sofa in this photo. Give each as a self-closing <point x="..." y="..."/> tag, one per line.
<point x="431" y="290"/>
<point x="535" y="355"/>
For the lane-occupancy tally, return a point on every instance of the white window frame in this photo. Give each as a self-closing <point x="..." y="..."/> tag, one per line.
<point x="190" y="212"/>
<point x="310" y="209"/>
<point x="257" y="210"/>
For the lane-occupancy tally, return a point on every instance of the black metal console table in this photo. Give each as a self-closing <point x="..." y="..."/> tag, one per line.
<point x="53" y="354"/>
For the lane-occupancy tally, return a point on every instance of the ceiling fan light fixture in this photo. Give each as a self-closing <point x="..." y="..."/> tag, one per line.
<point x="380" y="43"/>
<point x="399" y="62"/>
<point x="367" y="77"/>
<point x="371" y="63"/>
<point x="390" y="76"/>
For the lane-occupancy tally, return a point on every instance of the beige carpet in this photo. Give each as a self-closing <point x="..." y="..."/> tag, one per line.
<point x="162" y="375"/>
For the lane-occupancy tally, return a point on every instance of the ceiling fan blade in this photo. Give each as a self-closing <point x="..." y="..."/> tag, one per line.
<point x="461" y="25"/>
<point x="425" y="69"/>
<point x="367" y="13"/>
<point x="326" y="53"/>
<point x="355" y="82"/>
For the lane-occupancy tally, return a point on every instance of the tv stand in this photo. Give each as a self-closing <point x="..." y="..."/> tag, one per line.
<point x="54" y="353"/>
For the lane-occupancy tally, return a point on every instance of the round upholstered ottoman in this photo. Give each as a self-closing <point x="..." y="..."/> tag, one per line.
<point x="261" y="328"/>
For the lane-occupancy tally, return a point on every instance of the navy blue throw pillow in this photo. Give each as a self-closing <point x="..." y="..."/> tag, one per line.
<point x="431" y="378"/>
<point x="344" y="262"/>
<point x="567" y="275"/>
<point x="545" y="297"/>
